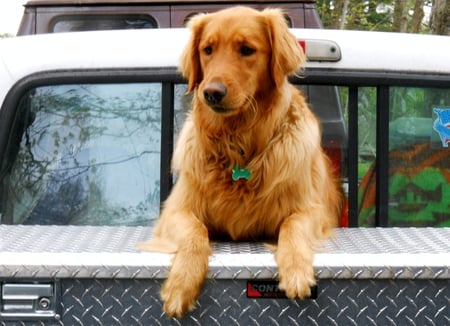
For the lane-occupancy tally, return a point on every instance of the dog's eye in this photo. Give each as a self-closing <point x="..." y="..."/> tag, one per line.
<point x="208" y="50"/>
<point x="246" y="51"/>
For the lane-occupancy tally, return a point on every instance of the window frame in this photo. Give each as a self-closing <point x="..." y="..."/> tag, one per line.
<point x="169" y="77"/>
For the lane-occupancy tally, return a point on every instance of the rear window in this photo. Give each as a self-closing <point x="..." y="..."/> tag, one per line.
<point x="75" y="23"/>
<point x="99" y="154"/>
<point x="85" y="154"/>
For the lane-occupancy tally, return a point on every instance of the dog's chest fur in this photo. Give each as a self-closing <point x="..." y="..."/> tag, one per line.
<point x="241" y="209"/>
<point x="232" y="208"/>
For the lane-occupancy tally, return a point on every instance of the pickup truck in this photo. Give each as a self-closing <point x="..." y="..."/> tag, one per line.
<point x="87" y="125"/>
<point x="56" y="16"/>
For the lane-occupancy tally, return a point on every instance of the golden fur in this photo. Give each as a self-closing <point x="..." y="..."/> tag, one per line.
<point x="260" y="122"/>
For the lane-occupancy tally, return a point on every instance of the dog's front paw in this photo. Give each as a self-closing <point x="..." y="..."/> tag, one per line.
<point x="296" y="280"/>
<point x="178" y="297"/>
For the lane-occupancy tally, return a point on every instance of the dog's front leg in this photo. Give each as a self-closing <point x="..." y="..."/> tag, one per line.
<point x="295" y="254"/>
<point x="189" y="267"/>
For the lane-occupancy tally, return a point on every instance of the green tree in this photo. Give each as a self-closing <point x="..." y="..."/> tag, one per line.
<point x="440" y="17"/>
<point x="356" y="15"/>
<point x="417" y="17"/>
<point x="386" y="15"/>
<point x="400" y="16"/>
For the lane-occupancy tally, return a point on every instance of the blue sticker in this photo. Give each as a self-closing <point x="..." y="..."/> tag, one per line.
<point x="442" y="125"/>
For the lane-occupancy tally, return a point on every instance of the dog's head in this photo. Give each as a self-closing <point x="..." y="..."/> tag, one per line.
<point x="239" y="56"/>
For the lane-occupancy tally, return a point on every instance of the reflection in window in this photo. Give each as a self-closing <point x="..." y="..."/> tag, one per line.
<point x="419" y="161"/>
<point x="367" y="120"/>
<point x="85" y="155"/>
<point x="182" y="106"/>
<point x="419" y="164"/>
<point x="326" y="102"/>
<point x="102" y="22"/>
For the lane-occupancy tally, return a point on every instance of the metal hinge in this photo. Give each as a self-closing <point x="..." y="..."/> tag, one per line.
<point x="29" y="300"/>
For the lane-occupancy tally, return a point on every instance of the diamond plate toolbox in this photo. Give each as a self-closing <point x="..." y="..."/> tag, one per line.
<point x="68" y="275"/>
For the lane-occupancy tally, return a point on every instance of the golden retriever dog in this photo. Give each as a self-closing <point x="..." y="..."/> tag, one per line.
<point x="249" y="160"/>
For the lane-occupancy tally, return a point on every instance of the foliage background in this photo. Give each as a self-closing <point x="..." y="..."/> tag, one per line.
<point x="410" y="16"/>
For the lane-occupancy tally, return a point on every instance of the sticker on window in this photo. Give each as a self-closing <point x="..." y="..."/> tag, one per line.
<point x="442" y="125"/>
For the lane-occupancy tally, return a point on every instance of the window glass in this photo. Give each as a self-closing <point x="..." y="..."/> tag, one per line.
<point x="182" y="105"/>
<point x="367" y="126"/>
<point x="84" y="155"/>
<point x="326" y="102"/>
<point x="419" y="157"/>
<point x="102" y="22"/>
<point x="367" y="121"/>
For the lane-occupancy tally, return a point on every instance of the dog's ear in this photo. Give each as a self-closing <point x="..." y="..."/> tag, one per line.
<point x="287" y="55"/>
<point x="190" y="61"/>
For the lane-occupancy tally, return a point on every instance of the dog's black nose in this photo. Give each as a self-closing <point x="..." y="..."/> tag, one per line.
<point x="214" y="92"/>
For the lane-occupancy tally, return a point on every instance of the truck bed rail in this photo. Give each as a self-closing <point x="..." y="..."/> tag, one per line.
<point x="365" y="275"/>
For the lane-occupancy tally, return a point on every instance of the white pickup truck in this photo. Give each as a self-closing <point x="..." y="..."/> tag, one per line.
<point x="87" y="124"/>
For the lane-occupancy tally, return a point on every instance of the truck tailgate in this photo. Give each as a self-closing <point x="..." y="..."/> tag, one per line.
<point x="94" y="275"/>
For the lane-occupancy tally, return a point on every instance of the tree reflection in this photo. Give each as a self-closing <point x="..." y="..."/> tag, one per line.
<point x="85" y="154"/>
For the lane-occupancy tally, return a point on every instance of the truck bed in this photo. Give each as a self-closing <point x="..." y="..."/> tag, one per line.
<point x="95" y="275"/>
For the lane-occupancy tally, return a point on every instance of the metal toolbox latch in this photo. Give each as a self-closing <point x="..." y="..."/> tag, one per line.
<point x="29" y="301"/>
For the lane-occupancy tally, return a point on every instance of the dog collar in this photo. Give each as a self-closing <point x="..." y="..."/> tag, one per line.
<point x="240" y="173"/>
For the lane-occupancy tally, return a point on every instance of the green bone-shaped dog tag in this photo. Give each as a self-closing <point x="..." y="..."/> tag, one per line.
<point x="240" y="173"/>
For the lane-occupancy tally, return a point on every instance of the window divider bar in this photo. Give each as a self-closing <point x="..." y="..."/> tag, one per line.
<point x="353" y="157"/>
<point x="382" y="159"/>
<point x="167" y="138"/>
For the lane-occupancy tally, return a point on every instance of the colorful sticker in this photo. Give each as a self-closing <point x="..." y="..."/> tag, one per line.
<point x="442" y="125"/>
